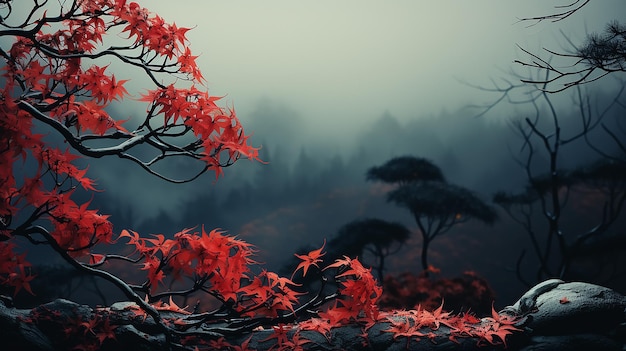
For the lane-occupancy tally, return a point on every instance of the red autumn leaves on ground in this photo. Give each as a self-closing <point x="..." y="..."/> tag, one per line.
<point x="408" y="290"/>
<point x="51" y="77"/>
<point x="270" y="295"/>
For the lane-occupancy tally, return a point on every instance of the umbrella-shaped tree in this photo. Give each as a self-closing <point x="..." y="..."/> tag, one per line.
<point x="370" y="236"/>
<point x="405" y="169"/>
<point x="435" y="204"/>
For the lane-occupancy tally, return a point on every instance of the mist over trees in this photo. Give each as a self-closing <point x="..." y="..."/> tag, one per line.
<point x="309" y="189"/>
<point x="306" y="192"/>
<point x="435" y="204"/>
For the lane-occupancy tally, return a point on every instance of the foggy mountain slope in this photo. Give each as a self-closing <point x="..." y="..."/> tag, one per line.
<point x="313" y="185"/>
<point x="472" y="152"/>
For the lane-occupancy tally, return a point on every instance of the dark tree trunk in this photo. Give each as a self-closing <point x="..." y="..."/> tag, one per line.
<point x="425" y="244"/>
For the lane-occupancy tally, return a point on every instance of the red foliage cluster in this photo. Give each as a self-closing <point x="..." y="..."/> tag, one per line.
<point x="13" y="268"/>
<point x="468" y="292"/>
<point x="264" y="295"/>
<point x="75" y="330"/>
<point x="414" y="324"/>
<point x="49" y="77"/>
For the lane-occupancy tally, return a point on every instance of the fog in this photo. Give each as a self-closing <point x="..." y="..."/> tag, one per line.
<point x="316" y="75"/>
<point x="340" y="64"/>
<point x="331" y="88"/>
<point x="304" y="194"/>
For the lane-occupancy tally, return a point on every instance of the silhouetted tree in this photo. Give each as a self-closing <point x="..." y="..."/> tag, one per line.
<point x="600" y="55"/>
<point x="437" y="207"/>
<point x="304" y="171"/>
<point x="372" y="236"/>
<point x="435" y="204"/>
<point x="540" y="208"/>
<point x="550" y="184"/>
<point x="405" y="169"/>
<point x="360" y="238"/>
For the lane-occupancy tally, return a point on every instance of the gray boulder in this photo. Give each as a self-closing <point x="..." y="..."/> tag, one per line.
<point x="572" y="316"/>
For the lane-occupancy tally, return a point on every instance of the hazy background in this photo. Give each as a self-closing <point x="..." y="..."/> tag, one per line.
<point x="332" y="88"/>
<point x="315" y="75"/>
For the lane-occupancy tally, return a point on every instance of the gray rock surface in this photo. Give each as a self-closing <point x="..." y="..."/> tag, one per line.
<point x="555" y="315"/>
<point x="572" y="316"/>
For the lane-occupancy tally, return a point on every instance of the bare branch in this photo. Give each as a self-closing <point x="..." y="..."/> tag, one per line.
<point x="600" y="56"/>
<point x="564" y="11"/>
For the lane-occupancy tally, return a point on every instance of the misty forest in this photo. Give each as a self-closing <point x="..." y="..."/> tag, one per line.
<point x="141" y="212"/>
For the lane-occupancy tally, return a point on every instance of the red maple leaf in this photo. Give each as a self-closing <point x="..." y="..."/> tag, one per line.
<point x="295" y="344"/>
<point x="497" y="326"/>
<point x="280" y="334"/>
<point x="96" y="259"/>
<point x="436" y="317"/>
<point x="171" y="306"/>
<point x="161" y="244"/>
<point x="310" y="259"/>
<point x="20" y="280"/>
<point x="320" y="325"/>
<point x="105" y="330"/>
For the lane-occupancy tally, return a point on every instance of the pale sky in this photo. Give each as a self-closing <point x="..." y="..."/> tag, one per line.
<point x="327" y="69"/>
<point x="339" y="63"/>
